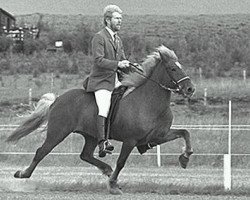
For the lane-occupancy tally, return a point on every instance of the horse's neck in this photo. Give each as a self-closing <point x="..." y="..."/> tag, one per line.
<point x="150" y="93"/>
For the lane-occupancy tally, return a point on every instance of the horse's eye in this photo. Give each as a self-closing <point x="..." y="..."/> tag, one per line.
<point x="173" y="69"/>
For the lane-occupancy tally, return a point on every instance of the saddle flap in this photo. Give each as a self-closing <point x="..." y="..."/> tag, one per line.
<point x="115" y="101"/>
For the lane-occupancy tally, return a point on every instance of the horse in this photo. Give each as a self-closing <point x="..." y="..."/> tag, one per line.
<point x="143" y="119"/>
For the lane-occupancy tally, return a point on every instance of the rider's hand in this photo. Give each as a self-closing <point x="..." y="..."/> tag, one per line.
<point x="123" y="64"/>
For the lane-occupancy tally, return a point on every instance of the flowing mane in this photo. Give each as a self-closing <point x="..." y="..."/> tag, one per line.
<point x="134" y="79"/>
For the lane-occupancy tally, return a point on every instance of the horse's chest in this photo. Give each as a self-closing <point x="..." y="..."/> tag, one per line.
<point x="140" y="125"/>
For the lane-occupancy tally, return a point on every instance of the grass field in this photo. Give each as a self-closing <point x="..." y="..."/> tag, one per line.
<point x="137" y="183"/>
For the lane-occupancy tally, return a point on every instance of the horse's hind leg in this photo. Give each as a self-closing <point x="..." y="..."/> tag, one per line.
<point x="87" y="155"/>
<point x="52" y="140"/>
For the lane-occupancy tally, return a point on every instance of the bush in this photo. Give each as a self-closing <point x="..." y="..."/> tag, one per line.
<point x="5" y="65"/>
<point x="17" y="47"/>
<point x="67" y="46"/>
<point x="31" y="45"/>
<point x="5" y="43"/>
<point x="82" y="39"/>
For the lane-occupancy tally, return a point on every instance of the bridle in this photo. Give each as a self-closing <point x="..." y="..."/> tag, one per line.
<point x="174" y="90"/>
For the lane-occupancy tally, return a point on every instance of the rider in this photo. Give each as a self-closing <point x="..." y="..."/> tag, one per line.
<point x="108" y="57"/>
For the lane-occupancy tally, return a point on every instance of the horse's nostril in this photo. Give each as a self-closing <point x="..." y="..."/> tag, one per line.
<point x="190" y="90"/>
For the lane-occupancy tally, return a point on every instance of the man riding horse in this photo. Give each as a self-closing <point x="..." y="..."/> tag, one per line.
<point x="143" y="117"/>
<point x="108" y="57"/>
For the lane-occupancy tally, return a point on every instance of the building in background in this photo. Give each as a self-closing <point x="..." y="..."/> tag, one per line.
<point x="7" y="21"/>
<point x="8" y="28"/>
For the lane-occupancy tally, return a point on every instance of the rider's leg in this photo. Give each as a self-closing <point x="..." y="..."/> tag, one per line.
<point x="103" y="101"/>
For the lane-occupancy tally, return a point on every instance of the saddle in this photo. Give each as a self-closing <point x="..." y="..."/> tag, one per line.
<point x="115" y="101"/>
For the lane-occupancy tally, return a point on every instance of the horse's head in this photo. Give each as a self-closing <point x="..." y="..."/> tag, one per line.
<point x="169" y="75"/>
<point x="175" y="71"/>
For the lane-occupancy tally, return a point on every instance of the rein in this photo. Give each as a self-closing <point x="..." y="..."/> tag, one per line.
<point x="159" y="84"/>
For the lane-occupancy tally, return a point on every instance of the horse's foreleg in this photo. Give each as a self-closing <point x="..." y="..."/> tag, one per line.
<point x="173" y="134"/>
<point x="187" y="150"/>
<point x="87" y="155"/>
<point x="127" y="147"/>
<point x="182" y="133"/>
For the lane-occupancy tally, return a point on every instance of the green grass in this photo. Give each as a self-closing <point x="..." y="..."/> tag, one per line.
<point x="16" y="88"/>
<point x="228" y="88"/>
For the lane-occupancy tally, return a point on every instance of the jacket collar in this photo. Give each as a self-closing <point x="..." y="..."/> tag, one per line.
<point x="112" y="33"/>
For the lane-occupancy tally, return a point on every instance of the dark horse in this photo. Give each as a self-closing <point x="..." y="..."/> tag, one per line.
<point x="143" y="117"/>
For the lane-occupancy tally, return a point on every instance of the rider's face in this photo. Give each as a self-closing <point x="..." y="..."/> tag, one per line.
<point x="115" y="21"/>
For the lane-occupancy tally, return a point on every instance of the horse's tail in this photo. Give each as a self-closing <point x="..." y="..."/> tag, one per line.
<point x="35" y="120"/>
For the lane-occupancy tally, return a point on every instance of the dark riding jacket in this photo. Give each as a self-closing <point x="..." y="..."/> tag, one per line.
<point x="106" y="55"/>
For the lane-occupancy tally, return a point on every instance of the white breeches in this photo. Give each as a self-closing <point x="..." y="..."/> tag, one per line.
<point x="103" y="99"/>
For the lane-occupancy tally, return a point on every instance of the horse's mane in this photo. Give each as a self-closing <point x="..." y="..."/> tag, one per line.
<point x="134" y="79"/>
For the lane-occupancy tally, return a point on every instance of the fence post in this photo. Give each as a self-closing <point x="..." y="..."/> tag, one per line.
<point x="229" y="127"/>
<point x="227" y="172"/>
<point x="244" y="75"/>
<point x="52" y="82"/>
<point x="30" y="97"/>
<point x="227" y="157"/>
<point x="158" y="147"/>
<point x="200" y="73"/>
<point x="205" y="96"/>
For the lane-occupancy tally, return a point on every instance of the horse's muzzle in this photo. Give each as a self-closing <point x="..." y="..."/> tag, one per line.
<point x="188" y="91"/>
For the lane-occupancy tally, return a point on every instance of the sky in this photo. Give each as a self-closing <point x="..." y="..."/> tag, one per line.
<point x="130" y="7"/>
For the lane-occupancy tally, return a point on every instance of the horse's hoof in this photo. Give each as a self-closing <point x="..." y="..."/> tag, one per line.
<point x="114" y="188"/>
<point x="183" y="160"/>
<point x="115" y="191"/>
<point x="20" y="174"/>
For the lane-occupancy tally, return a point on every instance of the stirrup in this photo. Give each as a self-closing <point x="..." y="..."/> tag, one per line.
<point x="102" y="153"/>
<point x="108" y="146"/>
<point x="105" y="148"/>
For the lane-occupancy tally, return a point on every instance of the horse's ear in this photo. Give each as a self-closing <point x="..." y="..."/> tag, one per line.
<point x="161" y="55"/>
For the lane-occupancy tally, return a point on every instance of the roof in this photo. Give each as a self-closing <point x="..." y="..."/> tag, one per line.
<point x="8" y="14"/>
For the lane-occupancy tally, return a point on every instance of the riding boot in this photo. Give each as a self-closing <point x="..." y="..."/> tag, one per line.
<point x="104" y="144"/>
